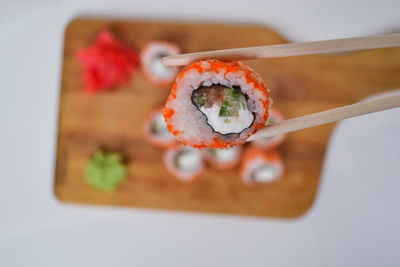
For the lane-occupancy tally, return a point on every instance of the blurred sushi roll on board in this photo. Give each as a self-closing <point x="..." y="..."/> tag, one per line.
<point x="155" y="131"/>
<point x="260" y="167"/>
<point x="222" y="158"/>
<point x="216" y="104"/>
<point x="269" y="143"/>
<point x="153" y="68"/>
<point x="184" y="163"/>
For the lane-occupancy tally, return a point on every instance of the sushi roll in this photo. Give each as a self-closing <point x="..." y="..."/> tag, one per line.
<point x="154" y="69"/>
<point x="155" y="131"/>
<point x="271" y="142"/>
<point x="222" y="158"/>
<point x="216" y="104"/>
<point x="184" y="163"/>
<point x="260" y="167"/>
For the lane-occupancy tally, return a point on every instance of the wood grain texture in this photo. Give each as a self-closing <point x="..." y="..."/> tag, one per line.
<point x="299" y="85"/>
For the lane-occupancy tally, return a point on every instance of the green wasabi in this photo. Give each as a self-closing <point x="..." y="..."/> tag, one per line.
<point x="105" y="171"/>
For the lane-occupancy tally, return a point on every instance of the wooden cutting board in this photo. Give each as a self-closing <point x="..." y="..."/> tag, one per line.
<point x="299" y="85"/>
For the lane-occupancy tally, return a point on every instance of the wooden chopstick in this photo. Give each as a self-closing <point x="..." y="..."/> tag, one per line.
<point x="286" y="50"/>
<point x="379" y="103"/>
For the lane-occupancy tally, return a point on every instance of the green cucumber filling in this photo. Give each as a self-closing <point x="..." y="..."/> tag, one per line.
<point x="225" y="108"/>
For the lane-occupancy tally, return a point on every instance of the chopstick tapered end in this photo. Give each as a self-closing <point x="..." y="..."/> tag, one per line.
<point x="174" y="61"/>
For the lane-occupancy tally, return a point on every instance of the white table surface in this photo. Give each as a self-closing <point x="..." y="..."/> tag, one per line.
<point x="354" y="221"/>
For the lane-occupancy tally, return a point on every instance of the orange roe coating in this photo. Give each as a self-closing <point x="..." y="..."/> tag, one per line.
<point x="218" y="67"/>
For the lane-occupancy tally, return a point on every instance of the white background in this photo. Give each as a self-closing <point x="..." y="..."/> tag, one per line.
<point x="354" y="221"/>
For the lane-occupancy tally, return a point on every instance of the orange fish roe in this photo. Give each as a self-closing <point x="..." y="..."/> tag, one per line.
<point x="190" y="132"/>
<point x="168" y="113"/>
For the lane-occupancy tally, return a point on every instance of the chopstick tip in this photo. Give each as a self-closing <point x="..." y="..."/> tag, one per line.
<point x="167" y="61"/>
<point x="177" y="60"/>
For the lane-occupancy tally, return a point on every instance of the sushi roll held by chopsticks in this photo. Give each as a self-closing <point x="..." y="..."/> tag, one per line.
<point x="216" y="104"/>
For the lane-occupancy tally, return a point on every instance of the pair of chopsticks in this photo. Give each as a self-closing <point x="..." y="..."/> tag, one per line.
<point x="384" y="102"/>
